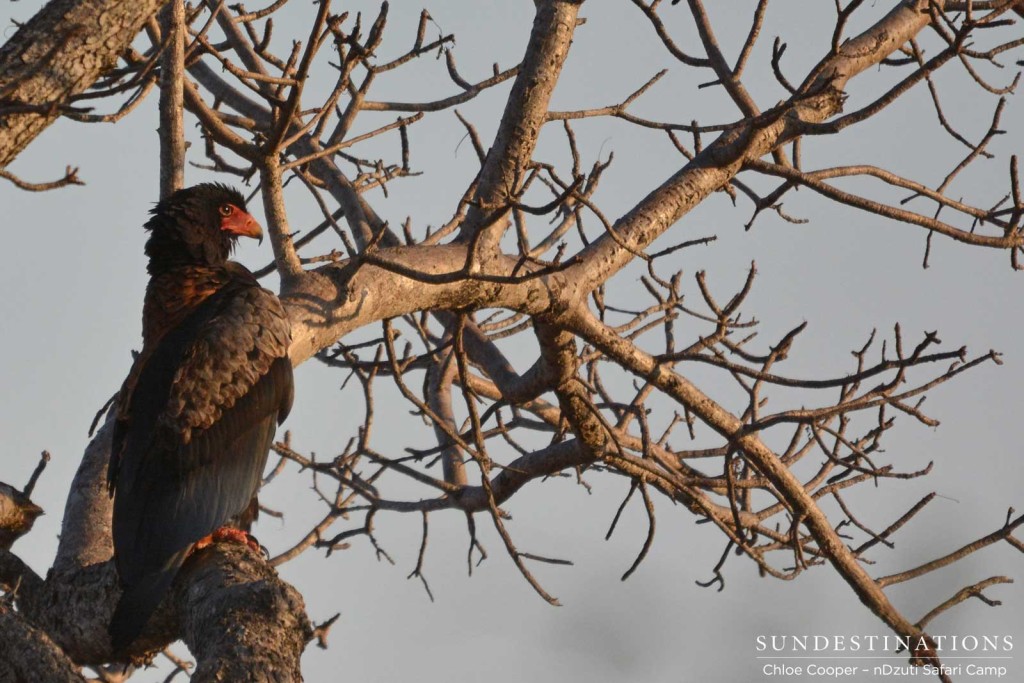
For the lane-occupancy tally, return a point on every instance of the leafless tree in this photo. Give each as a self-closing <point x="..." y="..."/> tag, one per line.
<point x="527" y="260"/>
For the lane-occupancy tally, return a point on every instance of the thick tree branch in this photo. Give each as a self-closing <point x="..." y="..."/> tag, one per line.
<point x="330" y="302"/>
<point x="713" y="168"/>
<point x="525" y="113"/>
<point x="801" y="504"/>
<point x="28" y="654"/>
<point x="85" y="528"/>
<point x="240" y="620"/>
<point x="58" y="53"/>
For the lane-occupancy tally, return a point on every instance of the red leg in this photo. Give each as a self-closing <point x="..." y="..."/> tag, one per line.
<point x="228" y="535"/>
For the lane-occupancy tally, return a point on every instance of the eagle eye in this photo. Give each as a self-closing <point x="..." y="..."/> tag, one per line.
<point x="226" y="210"/>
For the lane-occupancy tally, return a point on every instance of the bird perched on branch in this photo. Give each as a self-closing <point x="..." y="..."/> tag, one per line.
<point x="197" y="414"/>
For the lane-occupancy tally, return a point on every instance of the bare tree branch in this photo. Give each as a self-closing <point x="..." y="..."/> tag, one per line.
<point x="76" y="42"/>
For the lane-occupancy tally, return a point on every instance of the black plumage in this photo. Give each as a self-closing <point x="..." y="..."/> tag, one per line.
<point x="198" y="411"/>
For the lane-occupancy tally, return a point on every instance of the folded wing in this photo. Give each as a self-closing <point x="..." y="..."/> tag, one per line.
<point x="196" y="419"/>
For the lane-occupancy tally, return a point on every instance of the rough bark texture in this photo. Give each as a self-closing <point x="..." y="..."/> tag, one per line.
<point x="28" y="655"/>
<point x="239" y="619"/>
<point x="86" y="525"/>
<point x="525" y="113"/>
<point x="60" y="52"/>
<point x="227" y="604"/>
<point x="172" y="74"/>
<point x="73" y="607"/>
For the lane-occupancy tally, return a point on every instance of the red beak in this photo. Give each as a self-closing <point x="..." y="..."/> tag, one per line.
<point x="242" y="224"/>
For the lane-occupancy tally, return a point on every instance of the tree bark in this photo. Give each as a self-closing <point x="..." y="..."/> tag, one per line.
<point x="172" y="120"/>
<point x="60" y="52"/>
<point x="28" y="654"/>
<point x="525" y="113"/>
<point x="239" y="619"/>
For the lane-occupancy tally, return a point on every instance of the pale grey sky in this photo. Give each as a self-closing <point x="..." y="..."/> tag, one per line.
<point x="74" y="276"/>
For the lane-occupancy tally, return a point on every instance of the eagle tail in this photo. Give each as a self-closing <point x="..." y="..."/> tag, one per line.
<point x="139" y="601"/>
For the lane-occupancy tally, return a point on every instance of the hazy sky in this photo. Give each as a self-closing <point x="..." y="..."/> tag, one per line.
<point x="74" y="276"/>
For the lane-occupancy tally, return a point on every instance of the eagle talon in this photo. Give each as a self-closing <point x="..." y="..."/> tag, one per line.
<point x="230" y="535"/>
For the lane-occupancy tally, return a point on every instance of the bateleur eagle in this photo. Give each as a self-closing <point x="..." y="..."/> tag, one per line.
<point x="197" y="413"/>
